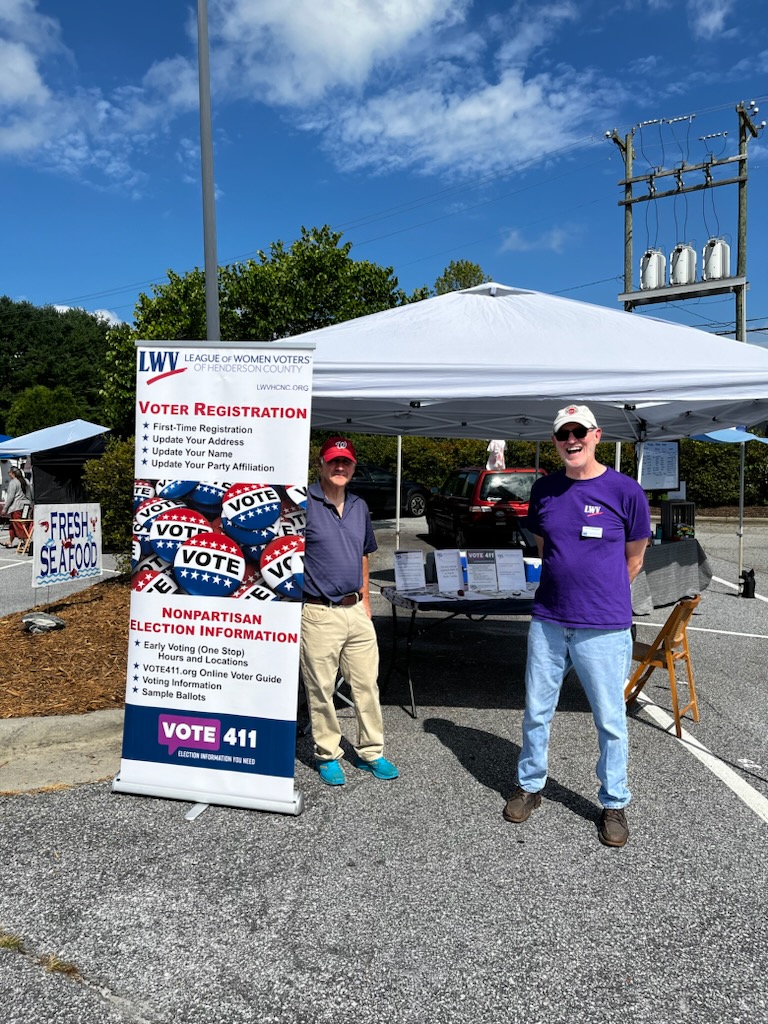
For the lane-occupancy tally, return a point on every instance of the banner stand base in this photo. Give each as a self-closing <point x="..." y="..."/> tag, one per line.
<point x="294" y="806"/>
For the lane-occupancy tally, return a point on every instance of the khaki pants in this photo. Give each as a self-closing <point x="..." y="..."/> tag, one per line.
<point x="333" y="639"/>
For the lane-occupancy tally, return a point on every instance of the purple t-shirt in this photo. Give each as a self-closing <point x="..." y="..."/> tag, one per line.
<point x="333" y="557"/>
<point x="585" y="525"/>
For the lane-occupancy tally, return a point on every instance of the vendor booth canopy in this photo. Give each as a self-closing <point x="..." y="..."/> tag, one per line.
<point x="496" y="361"/>
<point x="59" y="455"/>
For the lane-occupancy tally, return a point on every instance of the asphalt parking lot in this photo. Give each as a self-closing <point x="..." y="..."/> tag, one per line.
<point x="413" y="900"/>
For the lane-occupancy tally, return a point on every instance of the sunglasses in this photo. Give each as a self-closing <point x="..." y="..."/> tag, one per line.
<point x="578" y="432"/>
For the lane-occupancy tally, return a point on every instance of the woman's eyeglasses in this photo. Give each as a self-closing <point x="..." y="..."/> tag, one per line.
<point x="578" y="432"/>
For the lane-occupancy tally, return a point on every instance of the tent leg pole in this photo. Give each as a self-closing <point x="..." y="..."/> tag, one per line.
<point x="398" y="485"/>
<point x="742" y="446"/>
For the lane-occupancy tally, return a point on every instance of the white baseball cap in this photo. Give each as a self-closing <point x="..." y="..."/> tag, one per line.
<point x="575" y="414"/>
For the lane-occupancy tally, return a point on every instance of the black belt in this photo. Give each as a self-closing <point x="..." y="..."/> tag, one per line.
<point x="344" y="602"/>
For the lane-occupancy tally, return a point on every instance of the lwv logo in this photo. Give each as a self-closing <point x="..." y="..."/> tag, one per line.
<point x="162" y="364"/>
<point x="593" y="510"/>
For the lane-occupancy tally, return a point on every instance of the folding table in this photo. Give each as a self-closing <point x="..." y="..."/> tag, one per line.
<point x="473" y="606"/>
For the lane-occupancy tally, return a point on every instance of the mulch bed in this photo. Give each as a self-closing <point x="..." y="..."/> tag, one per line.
<point x="68" y="671"/>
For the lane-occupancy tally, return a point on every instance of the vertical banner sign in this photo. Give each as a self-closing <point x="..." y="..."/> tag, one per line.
<point x="222" y="441"/>
<point x="66" y="543"/>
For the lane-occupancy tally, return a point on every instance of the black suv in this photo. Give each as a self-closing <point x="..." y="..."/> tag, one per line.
<point x="377" y="487"/>
<point x="483" y="506"/>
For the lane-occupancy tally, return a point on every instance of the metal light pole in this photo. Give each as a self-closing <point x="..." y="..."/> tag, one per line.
<point x="213" y="328"/>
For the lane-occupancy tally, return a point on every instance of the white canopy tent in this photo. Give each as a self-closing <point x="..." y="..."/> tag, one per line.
<point x="497" y="361"/>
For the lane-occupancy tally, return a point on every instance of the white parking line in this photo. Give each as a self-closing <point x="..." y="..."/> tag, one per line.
<point x="735" y="586"/>
<point x="754" y="800"/>
<point x="704" y="629"/>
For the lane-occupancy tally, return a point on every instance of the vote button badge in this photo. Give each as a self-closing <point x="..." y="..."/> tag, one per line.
<point x="171" y="528"/>
<point x="251" y="506"/>
<point x="209" y="565"/>
<point x="282" y="566"/>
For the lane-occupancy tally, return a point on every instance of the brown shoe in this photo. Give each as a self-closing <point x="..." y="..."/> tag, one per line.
<point x="519" y="806"/>
<point x="613" y="827"/>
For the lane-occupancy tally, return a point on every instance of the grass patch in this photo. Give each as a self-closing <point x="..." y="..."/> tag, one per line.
<point x="55" y="963"/>
<point x="8" y="941"/>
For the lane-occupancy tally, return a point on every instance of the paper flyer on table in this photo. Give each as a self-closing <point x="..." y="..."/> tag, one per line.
<point x="450" y="578"/>
<point x="481" y="570"/>
<point x="510" y="569"/>
<point x="409" y="571"/>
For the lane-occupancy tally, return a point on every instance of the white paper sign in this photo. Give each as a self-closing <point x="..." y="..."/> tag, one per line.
<point x="481" y="570"/>
<point x="510" y="569"/>
<point x="450" y="578"/>
<point x="409" y="571"/>
<point x="660" y="470"/>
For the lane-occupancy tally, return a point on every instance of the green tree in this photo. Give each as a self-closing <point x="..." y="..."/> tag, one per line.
<point x="312" y="283"/>
<point x="43" y="345"/>
<point x="109" y="481"/>
<point x="118" y="383"/>
<point x="460" y="274"/>
<point x="40" y="407"/>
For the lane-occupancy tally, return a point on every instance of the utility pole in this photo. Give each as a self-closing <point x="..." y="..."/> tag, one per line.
<point x="711" y="168"/>
<point x="747" y="130"/>
<point x="212" y="325"/>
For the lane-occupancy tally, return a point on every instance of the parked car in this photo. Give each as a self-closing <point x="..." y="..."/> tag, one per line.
<point x="377" y="487"/>
<point x="486" y="507"/>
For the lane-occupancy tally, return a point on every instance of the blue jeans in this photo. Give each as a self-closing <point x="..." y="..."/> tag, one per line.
<point x="601" y="659"/>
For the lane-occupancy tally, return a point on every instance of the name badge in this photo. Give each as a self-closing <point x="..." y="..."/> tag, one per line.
<point x="591" y="531"/>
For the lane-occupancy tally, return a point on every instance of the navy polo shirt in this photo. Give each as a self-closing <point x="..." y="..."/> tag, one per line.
<point x="333" y="557"/>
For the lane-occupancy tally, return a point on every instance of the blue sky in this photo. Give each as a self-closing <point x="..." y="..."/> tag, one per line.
<point x="426" y="130"/>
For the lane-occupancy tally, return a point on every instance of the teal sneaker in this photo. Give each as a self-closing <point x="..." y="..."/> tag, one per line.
<point x="381" y="768"/>
<point x="331" y="772"/>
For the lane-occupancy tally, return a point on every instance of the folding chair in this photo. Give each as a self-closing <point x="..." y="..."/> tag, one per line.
<point x="27" y="523"/>
<point x="669" y="647"/>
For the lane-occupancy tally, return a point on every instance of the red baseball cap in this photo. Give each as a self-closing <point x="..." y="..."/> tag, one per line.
<point x="338" y="448"/>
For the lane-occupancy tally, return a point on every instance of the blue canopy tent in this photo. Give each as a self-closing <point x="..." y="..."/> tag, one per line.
<point x="58" y="455"/>
<point x="735" y="435"/>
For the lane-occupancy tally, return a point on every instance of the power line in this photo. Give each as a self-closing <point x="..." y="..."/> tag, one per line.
<point x="415" y="204"/>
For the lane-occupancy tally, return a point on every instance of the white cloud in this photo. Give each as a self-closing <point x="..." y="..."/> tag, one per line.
<point x="431" y="103"/>
<point x="491" y="126"/>
<point x="530" y="32"/>
<point x="22" y="20"/>
<point x="293" y="53"/>
<point x="106" y="314"/>
<point x="20" y="80"/>
<point x="554" y="240"/>
<point x="102" y="314"/>
<point x="707" y="17"/>
<point x="384" y="83"/>
<point x="83" y="132"/>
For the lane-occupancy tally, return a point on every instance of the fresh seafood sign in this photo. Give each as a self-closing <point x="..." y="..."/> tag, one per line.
<point x="66" y="543"/>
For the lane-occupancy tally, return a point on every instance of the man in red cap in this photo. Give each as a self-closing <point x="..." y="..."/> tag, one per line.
<point x="336" y="628"/>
